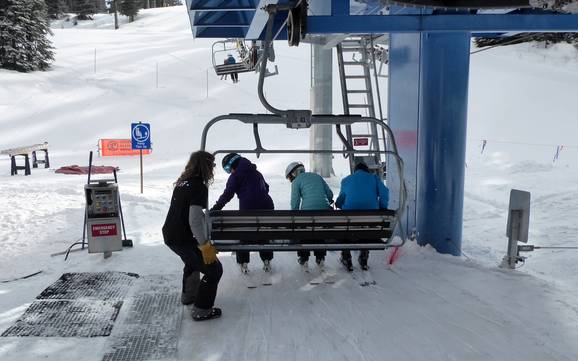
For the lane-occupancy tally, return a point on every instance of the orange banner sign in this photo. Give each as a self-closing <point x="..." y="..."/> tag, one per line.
<point x="118" y="148"/>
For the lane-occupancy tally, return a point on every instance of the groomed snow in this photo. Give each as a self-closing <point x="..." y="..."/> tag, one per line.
<point x="429" y="306"/>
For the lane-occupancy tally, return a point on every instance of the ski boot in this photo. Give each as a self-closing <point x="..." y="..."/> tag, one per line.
<point x="304" y="264"/>
<point x="363" y="258"/>
<point x="267" y="265"/>
<point x="201" y="314"/>
<point x="347" y="263"/>
<point x="320" y="262"/>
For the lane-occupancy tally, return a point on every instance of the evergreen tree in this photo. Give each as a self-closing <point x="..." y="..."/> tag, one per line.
<point x="84" y="8"/>
<point x="546" y="38"/>
<point x="24" y="29"/>
<point x="129" y="8"/>
<point x="56" y="8"/>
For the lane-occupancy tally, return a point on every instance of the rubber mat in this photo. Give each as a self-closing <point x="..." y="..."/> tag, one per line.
<point x="93" y="285"/>
<point x="77" y="305"/>
<point x="150" y="330"/>
<point x="66" y="318"/>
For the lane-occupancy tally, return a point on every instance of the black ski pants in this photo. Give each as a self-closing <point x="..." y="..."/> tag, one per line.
<point x="244" y="257"/>
<point x="193" y="259"/>
<point x="363" y="254"/>
<point x="319" y="254"/>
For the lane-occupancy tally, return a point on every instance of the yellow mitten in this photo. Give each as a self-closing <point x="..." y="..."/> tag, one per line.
<point x="209" y="253"/>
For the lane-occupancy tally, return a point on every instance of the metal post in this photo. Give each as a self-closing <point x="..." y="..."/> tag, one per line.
<point x="443" y="107"/>
<point x="427" y="107"/>
<point x="320" y="136"/>
<point x="321" y="103"/>
<point x="403" y="115"/>
<point x="512" y="256"/>
<point x="115" y="14"/>
<point x="141" y="171"/>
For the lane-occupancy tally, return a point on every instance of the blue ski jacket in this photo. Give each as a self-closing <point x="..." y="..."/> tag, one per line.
<point x="310" y="191"/>
<point x="362" y="190"/>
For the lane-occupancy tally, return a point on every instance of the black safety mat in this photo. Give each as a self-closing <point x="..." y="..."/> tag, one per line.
<point x="92" y="285"/>
<point x="150" y="330"/>
<point x="77" y="305"/>
<point x="66" y="318"/>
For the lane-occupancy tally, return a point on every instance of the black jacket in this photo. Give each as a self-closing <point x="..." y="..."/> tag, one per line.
<point x="176" y="228"/>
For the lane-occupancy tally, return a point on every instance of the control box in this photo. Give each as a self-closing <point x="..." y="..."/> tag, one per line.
<point x="103" y="217"/>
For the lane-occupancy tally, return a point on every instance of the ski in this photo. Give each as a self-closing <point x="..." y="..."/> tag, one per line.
<point x="248" y="279"/>
<point x="366" y="279"/>
<point x="329" y="276"/>
<point x="267" y="278"/>
<point x="318" y="279"/>
<point x="324" y="276"/>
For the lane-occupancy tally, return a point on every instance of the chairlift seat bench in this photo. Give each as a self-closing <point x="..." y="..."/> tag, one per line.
<point x="225" y="69"/>
<point x="286" y="230"/>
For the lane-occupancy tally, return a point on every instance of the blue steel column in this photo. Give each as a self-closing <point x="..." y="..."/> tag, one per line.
<point x="444" y="74"/>
<point x="403" y="115"/>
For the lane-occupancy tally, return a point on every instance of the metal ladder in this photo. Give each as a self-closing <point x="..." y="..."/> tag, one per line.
<point x="358" y="98"/>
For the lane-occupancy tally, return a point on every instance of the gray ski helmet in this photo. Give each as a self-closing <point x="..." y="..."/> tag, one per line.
<point x="292" y="169"/>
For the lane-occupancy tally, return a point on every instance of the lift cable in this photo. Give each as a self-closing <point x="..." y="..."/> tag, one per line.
<point x="560" y="247"/>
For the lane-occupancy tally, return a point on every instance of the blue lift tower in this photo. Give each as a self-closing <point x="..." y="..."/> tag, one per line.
<point x="429" y="56"/>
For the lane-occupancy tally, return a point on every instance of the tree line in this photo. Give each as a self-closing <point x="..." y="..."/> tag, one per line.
<point x="25" y="26"/>
<point x="84" y="9"/>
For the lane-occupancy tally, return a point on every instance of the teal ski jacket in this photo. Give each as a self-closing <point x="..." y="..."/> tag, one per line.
<point x="310" y="191"/>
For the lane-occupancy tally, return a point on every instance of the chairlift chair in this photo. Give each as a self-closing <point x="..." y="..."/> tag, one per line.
<point x="247" y="56"/>
<point x="290" y="230"/>
<point x="293" y="230"/>
<point x="250" y="57"/>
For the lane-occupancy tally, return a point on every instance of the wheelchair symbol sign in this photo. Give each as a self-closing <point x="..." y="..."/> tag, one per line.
<point x="141" y="135"/>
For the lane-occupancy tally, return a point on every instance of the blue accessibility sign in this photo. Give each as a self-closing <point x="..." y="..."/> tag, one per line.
<point x="140" y="135"/>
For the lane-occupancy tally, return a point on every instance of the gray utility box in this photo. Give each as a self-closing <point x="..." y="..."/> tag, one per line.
<point x="103" y="217"/>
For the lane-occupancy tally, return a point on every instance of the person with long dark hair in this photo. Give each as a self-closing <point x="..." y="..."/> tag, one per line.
<point x="185" y="233"/>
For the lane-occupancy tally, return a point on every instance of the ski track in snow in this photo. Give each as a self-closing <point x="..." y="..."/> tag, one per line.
<point x="428" y="306"/>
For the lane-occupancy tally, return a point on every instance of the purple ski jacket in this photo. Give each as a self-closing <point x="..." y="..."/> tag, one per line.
<point x="249" y="185"/>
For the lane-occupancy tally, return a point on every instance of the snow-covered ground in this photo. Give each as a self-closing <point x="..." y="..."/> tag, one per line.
<point x="429" y="306"/>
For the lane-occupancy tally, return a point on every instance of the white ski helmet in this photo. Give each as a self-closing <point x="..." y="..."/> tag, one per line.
<point x="293" y="170"/>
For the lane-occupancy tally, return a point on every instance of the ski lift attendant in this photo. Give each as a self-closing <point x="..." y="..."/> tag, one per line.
<point x="184" y="232"/>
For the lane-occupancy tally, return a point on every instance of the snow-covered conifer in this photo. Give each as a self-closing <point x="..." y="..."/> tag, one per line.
<point x="56" y="8"/>
<point x="24" y="30"/>
<point x="84" y="8"/>
<point x="129" y="8"/>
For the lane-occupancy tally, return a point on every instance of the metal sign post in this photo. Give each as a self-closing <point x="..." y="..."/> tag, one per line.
<point x="518" y="225"/>
<point x="140" y="139"/>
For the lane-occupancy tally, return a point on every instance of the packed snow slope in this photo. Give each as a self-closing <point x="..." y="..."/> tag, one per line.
<point x="428" y="306"/>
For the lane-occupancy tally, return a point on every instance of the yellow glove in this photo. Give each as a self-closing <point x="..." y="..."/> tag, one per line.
<point x="209" y="253"/>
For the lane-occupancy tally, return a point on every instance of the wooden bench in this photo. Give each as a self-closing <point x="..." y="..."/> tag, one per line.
<point x="24" y="152"/>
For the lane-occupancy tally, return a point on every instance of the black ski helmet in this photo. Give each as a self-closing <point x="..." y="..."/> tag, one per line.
<point x="229" y="161"/>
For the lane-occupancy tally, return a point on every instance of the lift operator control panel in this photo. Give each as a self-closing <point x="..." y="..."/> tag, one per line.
<point x="103" y="217"/>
